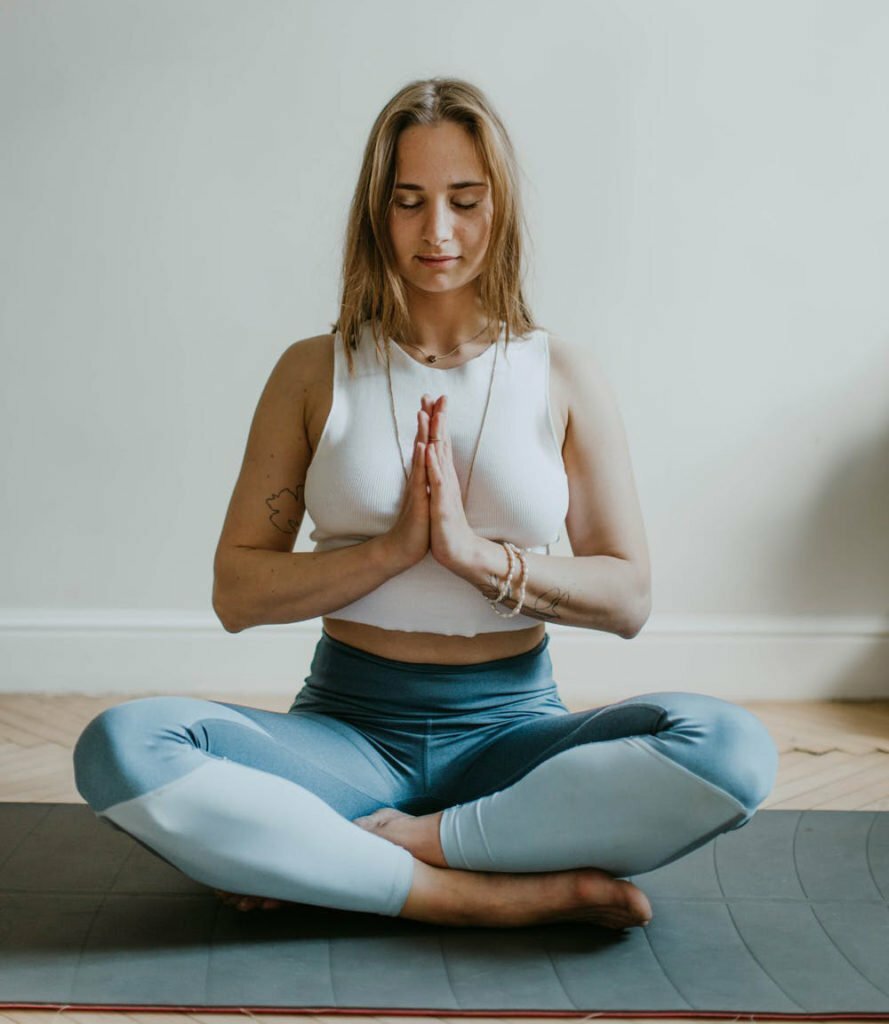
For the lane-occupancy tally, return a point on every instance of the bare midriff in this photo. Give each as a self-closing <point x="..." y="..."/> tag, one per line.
<point x="435" y="648"/>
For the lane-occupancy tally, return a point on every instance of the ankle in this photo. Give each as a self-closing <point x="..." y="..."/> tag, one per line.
<point x="434" y="849"/>
<point x="430" y="897"/>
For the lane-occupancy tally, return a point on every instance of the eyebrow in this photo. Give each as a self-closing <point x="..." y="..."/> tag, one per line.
<point x="454" y="186"/>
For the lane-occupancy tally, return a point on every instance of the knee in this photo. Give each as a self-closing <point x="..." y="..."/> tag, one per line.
<point x="721" y="742"/>
<point x="95" y="755"/>
<point x="745" y="756"/>
<point x="102" y="747"/>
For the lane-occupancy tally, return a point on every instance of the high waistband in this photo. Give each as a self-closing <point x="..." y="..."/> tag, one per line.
<point x="339" y="670"/>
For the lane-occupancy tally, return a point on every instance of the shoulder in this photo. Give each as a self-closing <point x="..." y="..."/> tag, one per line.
<point x="305" y="372"/>
<point x="307" y="362"/>
<point x="575" y="368"/>
<point x="567" y="356"/>
<point x="306" y="353"/>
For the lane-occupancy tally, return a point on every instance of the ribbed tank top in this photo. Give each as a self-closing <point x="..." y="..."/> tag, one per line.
<point x="518" y="492"/>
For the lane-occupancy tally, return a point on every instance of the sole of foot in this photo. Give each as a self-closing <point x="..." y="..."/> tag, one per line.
<point x="418" y="834"/>
<point x="503" y="898"/>
<point x="516" y="900"/>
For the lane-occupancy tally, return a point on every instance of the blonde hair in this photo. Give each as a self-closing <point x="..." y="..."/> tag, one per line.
<point x="372" y="289"/>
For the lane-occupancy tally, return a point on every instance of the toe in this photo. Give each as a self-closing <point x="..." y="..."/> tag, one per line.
<point x="635" y="903"/>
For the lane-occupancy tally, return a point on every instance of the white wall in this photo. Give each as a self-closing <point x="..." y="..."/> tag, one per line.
<point x="706" y="189"/>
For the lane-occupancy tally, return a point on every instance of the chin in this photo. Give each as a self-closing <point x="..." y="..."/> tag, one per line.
<point x="436" y="287"/>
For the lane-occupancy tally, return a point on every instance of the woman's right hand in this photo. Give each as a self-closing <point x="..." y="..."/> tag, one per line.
<point x="409" y="534"/>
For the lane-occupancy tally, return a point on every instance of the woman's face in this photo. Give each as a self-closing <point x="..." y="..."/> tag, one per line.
<point x="429" y="216"/>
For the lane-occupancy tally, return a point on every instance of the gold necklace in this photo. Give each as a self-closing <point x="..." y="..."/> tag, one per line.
<point x="481" y="428"/>
<point x="435" y="358"/>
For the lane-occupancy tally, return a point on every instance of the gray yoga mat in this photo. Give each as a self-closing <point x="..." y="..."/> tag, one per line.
<point x="788" y="915"/>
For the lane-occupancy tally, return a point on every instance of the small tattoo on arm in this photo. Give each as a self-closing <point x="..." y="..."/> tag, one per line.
<point x="547" y="603"/>
<point x="287" y="509"/>
<point x="544" y="607"/>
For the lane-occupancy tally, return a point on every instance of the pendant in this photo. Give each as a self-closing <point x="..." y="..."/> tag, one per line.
<point x="431" y="359"/>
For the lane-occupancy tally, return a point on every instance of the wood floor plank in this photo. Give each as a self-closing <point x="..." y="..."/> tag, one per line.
<point x="845" y="794"/>
<point x="791" y="758"/>
<point x="876" y="805"/>
<point x="814" y="763"/>
<point x="860" y="722"/>
<point x="821" y="785"/>
<point x="823" y="729"/>
<point x="43" y="720"/>
<point x="10" y="729"/>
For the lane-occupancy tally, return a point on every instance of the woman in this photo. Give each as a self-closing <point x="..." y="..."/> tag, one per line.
<point x="428" y="768"/>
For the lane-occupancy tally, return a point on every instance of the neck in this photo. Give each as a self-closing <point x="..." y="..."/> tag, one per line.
<point x="440" y="322"/>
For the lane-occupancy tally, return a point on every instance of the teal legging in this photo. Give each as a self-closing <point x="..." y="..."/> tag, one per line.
<point x="263" y="802"/>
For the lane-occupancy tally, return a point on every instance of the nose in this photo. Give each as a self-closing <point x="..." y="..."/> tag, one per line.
<point x="437" y="224"/>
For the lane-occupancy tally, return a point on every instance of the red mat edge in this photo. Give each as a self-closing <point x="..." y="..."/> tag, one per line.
<point x="333" y="1011"/>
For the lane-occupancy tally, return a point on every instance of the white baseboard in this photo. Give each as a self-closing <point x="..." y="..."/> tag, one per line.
<point x="735" y="657"/>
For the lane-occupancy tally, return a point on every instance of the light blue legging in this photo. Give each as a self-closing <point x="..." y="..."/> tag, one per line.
<point x="263" y="802"/>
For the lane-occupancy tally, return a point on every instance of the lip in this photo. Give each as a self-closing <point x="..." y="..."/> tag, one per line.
<point x="437" y="260"/>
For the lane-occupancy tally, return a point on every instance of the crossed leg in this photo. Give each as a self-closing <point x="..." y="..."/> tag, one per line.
<point x="260" y="802"/>
<point x="247" y="800"/>
<point x="627" y="788"/>
<point x="264" y="802"/>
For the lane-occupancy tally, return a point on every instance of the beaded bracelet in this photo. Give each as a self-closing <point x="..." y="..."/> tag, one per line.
<point x="507" y="588"/>
<point x="504" y="588"/>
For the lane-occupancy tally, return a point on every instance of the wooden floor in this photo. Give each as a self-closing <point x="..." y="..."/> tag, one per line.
<point x="834" y="756"/>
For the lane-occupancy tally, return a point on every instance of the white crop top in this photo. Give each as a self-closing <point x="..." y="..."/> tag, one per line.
<point x="518" y="490"/>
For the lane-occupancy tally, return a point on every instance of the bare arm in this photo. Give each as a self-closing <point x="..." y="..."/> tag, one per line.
<point x="590" y="591"/>
<point x="256" y="587"/>
<point x="258" y="578"/>
<point x="606" y="583"/>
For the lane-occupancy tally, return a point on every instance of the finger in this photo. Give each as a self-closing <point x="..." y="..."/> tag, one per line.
<point x="432" y="463"/>
<point x="439" y="428"/>
<point x="422" y="435"/>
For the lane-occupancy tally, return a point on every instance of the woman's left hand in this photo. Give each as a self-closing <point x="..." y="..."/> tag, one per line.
<point x="451" y="538"/>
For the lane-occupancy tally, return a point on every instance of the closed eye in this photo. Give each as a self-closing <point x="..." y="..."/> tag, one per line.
<point x="413" y="206"/>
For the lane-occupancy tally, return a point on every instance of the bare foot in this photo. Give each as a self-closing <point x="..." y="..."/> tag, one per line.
<point x="502" y="899"/>
<point x="418" y="834"/>
<point x="241" y="902"/>
<point x="508" y="900"/>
